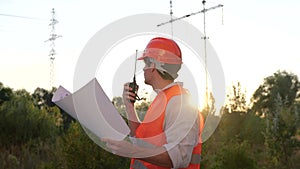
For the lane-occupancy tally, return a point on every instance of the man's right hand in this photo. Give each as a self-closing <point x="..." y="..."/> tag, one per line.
<point x="128" y="95"/>
<point x="131" y="115"/>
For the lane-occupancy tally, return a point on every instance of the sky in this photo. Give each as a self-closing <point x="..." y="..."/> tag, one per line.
<point x="253" y="38"/>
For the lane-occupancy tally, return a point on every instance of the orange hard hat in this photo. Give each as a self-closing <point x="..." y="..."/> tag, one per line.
<point x="163" y="50"/>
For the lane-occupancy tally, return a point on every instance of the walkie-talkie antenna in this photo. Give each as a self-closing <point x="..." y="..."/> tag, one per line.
<point x="133" y="84"/>
<point x="134" y="80"/>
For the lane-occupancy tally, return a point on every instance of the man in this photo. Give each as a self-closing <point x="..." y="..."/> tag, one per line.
<point x="170" y="134"/>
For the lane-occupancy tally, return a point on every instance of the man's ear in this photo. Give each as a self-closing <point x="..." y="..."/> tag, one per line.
<point x="153" y="67"/>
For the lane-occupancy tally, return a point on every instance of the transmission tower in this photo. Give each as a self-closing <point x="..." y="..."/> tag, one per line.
<point x="53" y="36"/>
<point x="204" y="10"/>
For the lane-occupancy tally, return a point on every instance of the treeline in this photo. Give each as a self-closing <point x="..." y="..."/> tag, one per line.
<point x="264" y="134"/>
<point x="35" y="134"/>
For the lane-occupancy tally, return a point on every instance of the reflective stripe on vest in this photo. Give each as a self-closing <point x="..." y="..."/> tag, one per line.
<point x="152" y="130"/>
<point x="137" y="164"/>
<point x="195" y="159"/>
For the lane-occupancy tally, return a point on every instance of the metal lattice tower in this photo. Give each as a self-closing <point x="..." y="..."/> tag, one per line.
<point x="171" y="17"/>
<point x="204" y="10"/>
<point x="205" y="54"/>
<point x="52" y="53"/>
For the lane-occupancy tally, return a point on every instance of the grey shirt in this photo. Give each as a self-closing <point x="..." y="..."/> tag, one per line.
<point x="181" y="128"/>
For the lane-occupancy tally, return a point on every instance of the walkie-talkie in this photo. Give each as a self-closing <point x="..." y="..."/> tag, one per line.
<point x="133" y="84"/>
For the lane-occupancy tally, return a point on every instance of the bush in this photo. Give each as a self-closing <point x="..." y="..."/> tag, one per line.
<point x="21" y="121"/>
<point x="80" y="152"/>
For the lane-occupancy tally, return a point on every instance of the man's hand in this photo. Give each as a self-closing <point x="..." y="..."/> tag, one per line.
<point x="156" y="155"/>
<point x="133" y="121"/>
<point x="128" y="95"/>
<point x="121" y="148"/>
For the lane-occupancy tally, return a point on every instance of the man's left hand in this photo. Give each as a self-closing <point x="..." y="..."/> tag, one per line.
<point x="121" y="148"/>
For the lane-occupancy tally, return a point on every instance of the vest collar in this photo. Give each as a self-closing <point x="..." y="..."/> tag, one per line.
<point x="168" y="86"/>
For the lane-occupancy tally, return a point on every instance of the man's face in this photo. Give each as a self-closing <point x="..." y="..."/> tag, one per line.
<point x="148" y="71"/>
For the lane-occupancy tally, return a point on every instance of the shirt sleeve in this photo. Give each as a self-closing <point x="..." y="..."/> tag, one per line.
<point x="181" y="129"/>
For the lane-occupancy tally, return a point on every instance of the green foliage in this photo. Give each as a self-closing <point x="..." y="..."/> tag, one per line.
<point x="5" y="93"/>
<point x="266" y="136"/>
<point x="252" y="130"/>
<point x="9" y="161"/>
<point x="42" y="97"/>
<point x="236" y="156"/>
<point x="236" y="99"/>
<point x="262" y="137"/>
<point x="282" y="83"/>
<point x="32" y="155"/>
<point x="230" y="154"/>
<point x="275" y="100"/>
<point x="280" y="138"/>
<point x="141" y="107"/>
<point x="119" y="105"/>
<point x="80" y="152"/>
<point x="232" y="124"/>
<point x="28" y="134"/>
<point x="21" y="121"/>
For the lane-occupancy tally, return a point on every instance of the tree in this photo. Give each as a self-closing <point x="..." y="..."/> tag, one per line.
<point x="119" y="105"/>
<point x="235" y="155"/>
<point x="276" y="101"/>
<point x="282" y="83"/>
<point x="236" y="99"/>
<point x="141" y="107"/>
<point x="5" y="93"/>
<point x="280" y="135"/>
<point x="42" y="97"/>
<point x="21" y="121"/>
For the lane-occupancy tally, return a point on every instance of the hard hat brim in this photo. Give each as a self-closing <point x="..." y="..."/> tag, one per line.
<point x="162" y="56"/>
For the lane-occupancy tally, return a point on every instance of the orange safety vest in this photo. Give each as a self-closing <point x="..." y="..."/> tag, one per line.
<point x="151" y="129"/>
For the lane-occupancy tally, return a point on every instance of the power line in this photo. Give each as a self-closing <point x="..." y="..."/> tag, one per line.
<point x="204" y="10"/>
<point x="18" y="16"/>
